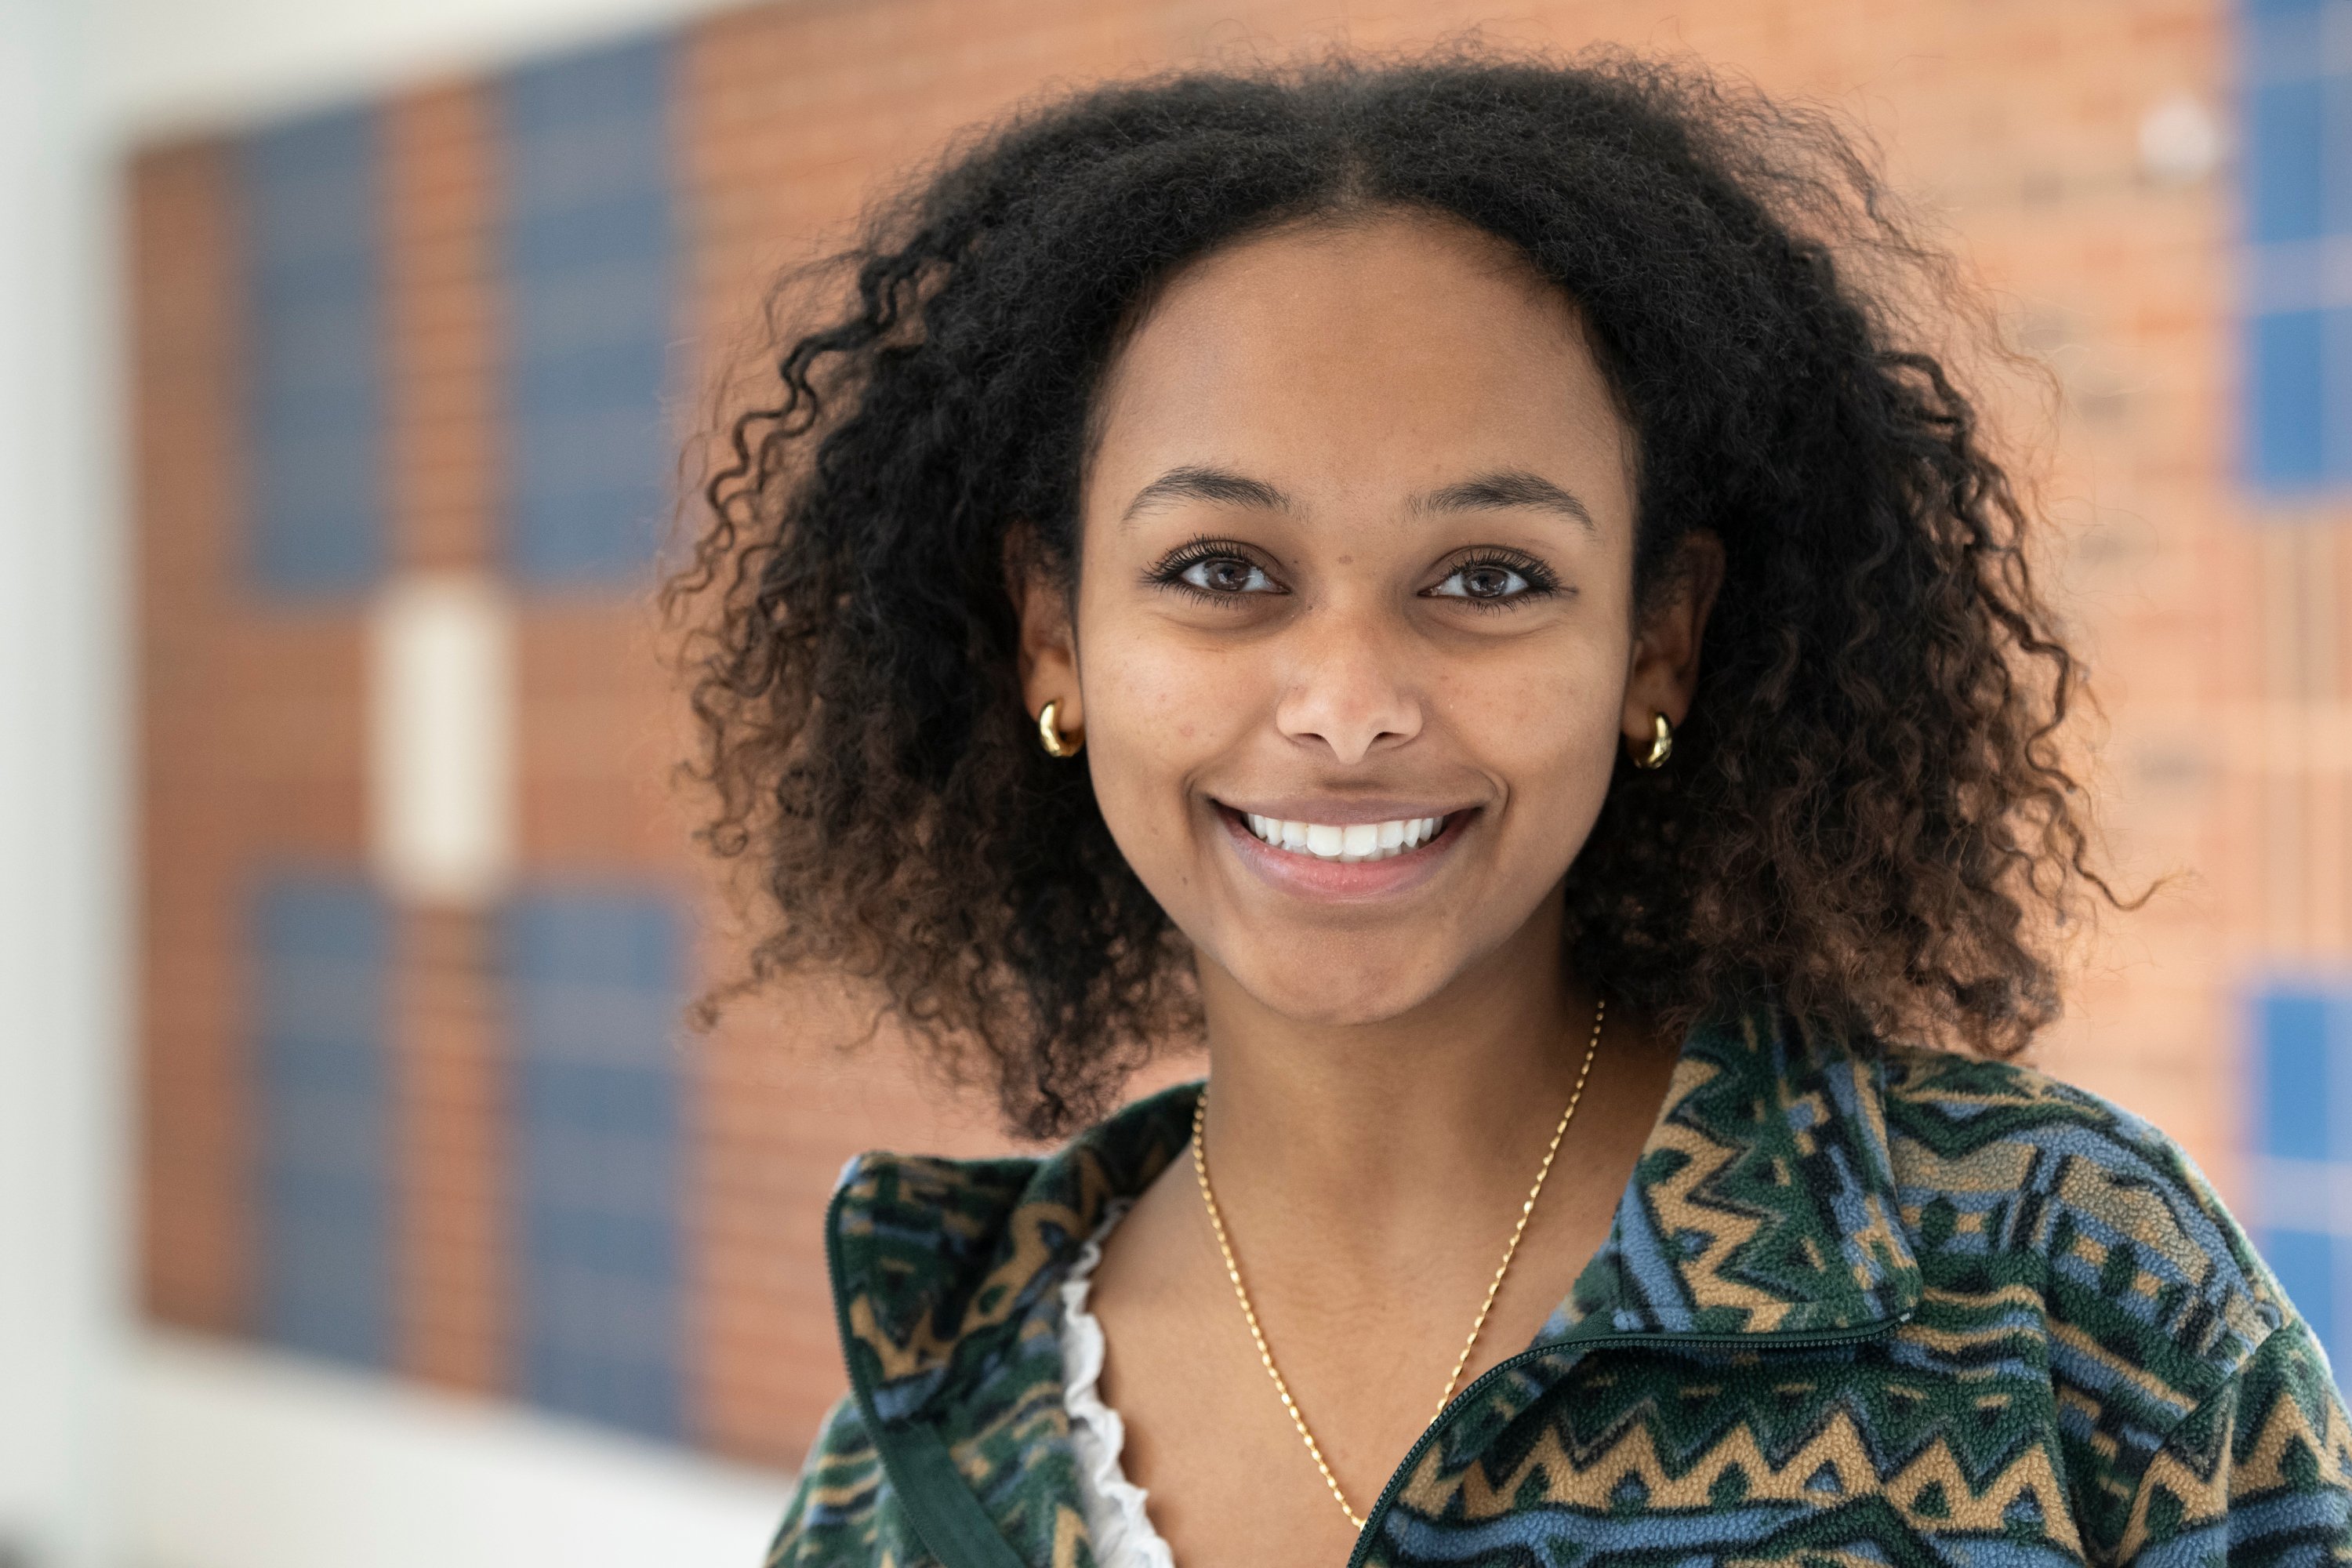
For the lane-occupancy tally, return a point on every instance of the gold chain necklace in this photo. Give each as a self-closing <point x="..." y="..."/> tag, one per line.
<point x="1249" y="1314"/>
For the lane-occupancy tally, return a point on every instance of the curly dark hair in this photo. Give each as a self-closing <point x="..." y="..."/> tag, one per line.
<point x="1867" y="815"/>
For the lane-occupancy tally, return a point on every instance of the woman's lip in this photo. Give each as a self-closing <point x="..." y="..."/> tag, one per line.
<point x="1339" y="813"/>
<point x="1311" y="875"/>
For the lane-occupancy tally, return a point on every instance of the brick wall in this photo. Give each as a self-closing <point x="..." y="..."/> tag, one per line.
<point x="2212" y="618"/>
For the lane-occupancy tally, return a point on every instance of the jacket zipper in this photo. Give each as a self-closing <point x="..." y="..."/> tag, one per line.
<point x="1795" y="1339"/>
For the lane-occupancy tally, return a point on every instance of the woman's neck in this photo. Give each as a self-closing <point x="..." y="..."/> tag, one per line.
<point x="1381" y="1142"/>
<point x="1368" y="1177"/>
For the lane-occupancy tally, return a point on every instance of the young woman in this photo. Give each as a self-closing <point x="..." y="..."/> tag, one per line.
<point x="1444" y="582"/>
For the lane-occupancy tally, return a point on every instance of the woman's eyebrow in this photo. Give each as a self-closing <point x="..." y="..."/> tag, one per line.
<point x="1194" y="483"/>
<point x="1487" y="492"/>
<point x="1507" y="488"/>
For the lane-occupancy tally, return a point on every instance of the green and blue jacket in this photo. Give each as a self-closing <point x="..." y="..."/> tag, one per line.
<point x="1882" y="1308"/>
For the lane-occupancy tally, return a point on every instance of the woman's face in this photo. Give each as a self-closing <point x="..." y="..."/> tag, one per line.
<point x="1354" y="643"/>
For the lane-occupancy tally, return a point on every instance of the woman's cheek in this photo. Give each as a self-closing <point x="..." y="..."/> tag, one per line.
<point x="1145" y="711"/>
<point x="1550" y="732"/>
<point x="1168" y="701"/>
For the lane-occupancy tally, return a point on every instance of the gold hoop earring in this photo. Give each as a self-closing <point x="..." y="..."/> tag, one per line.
<point x="1057" y="745"/>
<point x="1662" y="746"/>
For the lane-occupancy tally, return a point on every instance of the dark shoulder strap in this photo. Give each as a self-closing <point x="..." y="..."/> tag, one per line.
<point x="954" y="1528"/>
<point x="936" y="1499"/>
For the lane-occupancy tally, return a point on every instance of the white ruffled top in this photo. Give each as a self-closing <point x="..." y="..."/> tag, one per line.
<point x="1122" y="1532"/>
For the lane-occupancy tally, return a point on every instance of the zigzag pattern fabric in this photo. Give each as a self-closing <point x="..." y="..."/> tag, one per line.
<point x="1859" y="1309"/>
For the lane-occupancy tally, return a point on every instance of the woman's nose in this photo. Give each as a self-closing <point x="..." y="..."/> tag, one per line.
<point x="1348" y="685"/>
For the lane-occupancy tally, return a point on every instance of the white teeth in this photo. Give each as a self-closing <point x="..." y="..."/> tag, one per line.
<point x="1349" y="842"/>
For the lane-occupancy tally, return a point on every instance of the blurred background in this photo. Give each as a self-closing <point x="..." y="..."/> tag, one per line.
<point x="361" y="1199"/>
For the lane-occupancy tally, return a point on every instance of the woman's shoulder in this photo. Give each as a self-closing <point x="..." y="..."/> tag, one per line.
<point x="2010" y="1180"/>
<point x="942" y="1273"/>
<point x="832" y="1517"/>
<point x="1994" y="1127"/>
<point x="914" y="1241"/>
<point x="2195" y="1409"/>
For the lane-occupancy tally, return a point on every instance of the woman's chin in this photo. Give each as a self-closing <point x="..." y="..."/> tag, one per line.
<point x="1349" y="997"/>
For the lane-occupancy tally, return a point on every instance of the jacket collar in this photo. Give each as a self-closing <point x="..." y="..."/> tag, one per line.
<point x="1763" y="1203"/>
<point x="942" y="1267"/>
<point x="1764" y="1200"/>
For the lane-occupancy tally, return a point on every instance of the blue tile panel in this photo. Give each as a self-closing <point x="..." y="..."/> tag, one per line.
<point x="594" y="1003"/>
<point x="319" y="948"/>
<point x="2296" y="109"/>
<point x="589" y="258"/>
<point x="2302" y="1142"/>
<point x="312" y="205"/>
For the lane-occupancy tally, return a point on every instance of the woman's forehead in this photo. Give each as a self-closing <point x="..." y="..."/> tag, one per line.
<point x="1405" y="353"/>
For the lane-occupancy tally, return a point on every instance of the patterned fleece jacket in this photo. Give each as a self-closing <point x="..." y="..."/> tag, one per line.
<point x="1858" y="1309"/>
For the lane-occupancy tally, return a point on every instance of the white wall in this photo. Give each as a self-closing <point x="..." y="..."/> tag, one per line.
<point x="240" y="1459"/>
<point x="171" y="65"/>
<point x="119" y="1450"/>
<point x="62" y="801"/>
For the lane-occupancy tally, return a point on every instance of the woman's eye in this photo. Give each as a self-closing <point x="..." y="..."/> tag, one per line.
<point x="1227" y="574"/>
<point x="1485" y="582"/>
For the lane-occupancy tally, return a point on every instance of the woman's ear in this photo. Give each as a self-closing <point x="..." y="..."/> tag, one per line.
<point x="1049" y="644"/>
<point x="1665" y="672"/>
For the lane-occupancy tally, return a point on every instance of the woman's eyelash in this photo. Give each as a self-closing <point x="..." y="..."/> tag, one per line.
<point x="1193" y="551"/>
<point x="1171" y="571"/>
<point x="1539" y="575"/>
<point x="1541" y="582"/>
<point x="1168" y="572"/>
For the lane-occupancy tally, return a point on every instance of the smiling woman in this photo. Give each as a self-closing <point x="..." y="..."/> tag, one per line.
<point x="1442" y="582"/>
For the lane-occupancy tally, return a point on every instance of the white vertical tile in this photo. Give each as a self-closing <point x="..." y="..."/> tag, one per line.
<point x="441" y="738"/>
